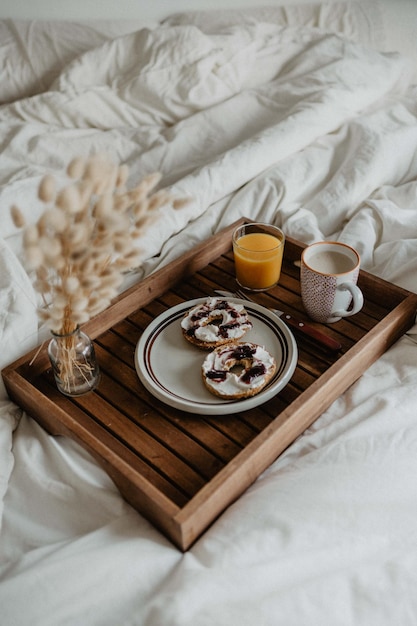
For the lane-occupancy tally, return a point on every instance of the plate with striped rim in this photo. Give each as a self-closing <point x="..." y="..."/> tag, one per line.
<point x="169" y="366"/>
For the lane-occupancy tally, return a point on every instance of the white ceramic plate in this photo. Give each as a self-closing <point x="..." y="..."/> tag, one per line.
<point x="170" y="367"/>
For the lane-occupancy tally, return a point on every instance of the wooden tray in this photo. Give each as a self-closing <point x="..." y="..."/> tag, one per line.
<point x="182" y="470"/>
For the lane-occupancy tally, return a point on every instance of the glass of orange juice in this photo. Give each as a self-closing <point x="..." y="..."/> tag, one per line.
<point x="258" y="250"/>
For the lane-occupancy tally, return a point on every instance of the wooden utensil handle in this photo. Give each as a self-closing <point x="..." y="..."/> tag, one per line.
<point x="313" y="333"/>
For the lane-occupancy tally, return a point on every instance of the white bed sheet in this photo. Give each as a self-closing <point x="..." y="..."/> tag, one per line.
<point x="280" y="121"/>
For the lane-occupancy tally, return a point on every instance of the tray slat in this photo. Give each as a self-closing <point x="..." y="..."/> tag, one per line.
<point x="182" y="470"/>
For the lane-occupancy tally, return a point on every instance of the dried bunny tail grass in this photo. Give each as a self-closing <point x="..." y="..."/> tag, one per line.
<point x="144" y="188"/>
<point x="180" y="203"/>
<point x="122" y="176"/>
<point x="51" y="249"/>
<point x="90" y="283"/>
<point x="86" y="239"/>
<point x="80" y="317"/>
<point x="30" y="236"/>
<point x="43" y="314"/>
<point x="139" y="207"/>
<point x="61" y="300"/>
<point x="101" y="173"/>
<point x="54" y="326"/>
<point x="42" y="273"/>
<point x="107" y="293"/>
<point x="158" y="199"/>
<point x="122" y="202"/>
<point x="101" y="243"/>
<point x="111" y="178"/>
<point x="77" y="237"/>
<point x="122" y="243"/>
<point x="112" y="281"/>
<point x="93" y="167"/>
<point x="53" y="219"/>
<point x="104" y="206"/>
<point x="131" y="260"/>
<point x="76" y="167"/>
<point x="17" y="217"/>
<point x="99" y="301"/>
<point x="85" y="189"/>
<point x="86" y="266"/>
<point x="143" y="222"/>
<point x="114" y="223"/>
<point x="34" y="257"/>
<point x="42" y="286"/>
<point x="55" y="318"/>
<point x="79" y="303"/>
<point x="145" y="206"/>
<point x="106" y="183"/>
<point x="47" y="188"/>
<point x="70" y="285"/>
<point x="150" y="181"/>
<point x="69" y="199"/>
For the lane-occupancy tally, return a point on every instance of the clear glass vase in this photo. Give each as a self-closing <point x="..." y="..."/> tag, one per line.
<point x="74" y="363"/>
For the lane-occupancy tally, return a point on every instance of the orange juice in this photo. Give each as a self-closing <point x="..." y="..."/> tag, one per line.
<point x="258" y="260"/>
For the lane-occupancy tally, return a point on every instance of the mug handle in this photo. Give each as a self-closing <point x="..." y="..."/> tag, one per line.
<point x="357" y="297"/>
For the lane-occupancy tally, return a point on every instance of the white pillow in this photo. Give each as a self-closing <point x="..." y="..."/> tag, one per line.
<point x="32" y="53"/>
<point x="385" y="25"/>
<point x="359" y="21"/>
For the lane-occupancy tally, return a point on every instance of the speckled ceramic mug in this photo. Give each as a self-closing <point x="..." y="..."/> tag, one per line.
<point x="329" y="273"/>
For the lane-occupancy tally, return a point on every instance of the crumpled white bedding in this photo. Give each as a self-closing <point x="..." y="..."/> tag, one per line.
<point x="285" y="124"/>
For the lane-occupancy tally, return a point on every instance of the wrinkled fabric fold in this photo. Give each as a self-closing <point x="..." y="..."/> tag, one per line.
<point x="282" y="123"/>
